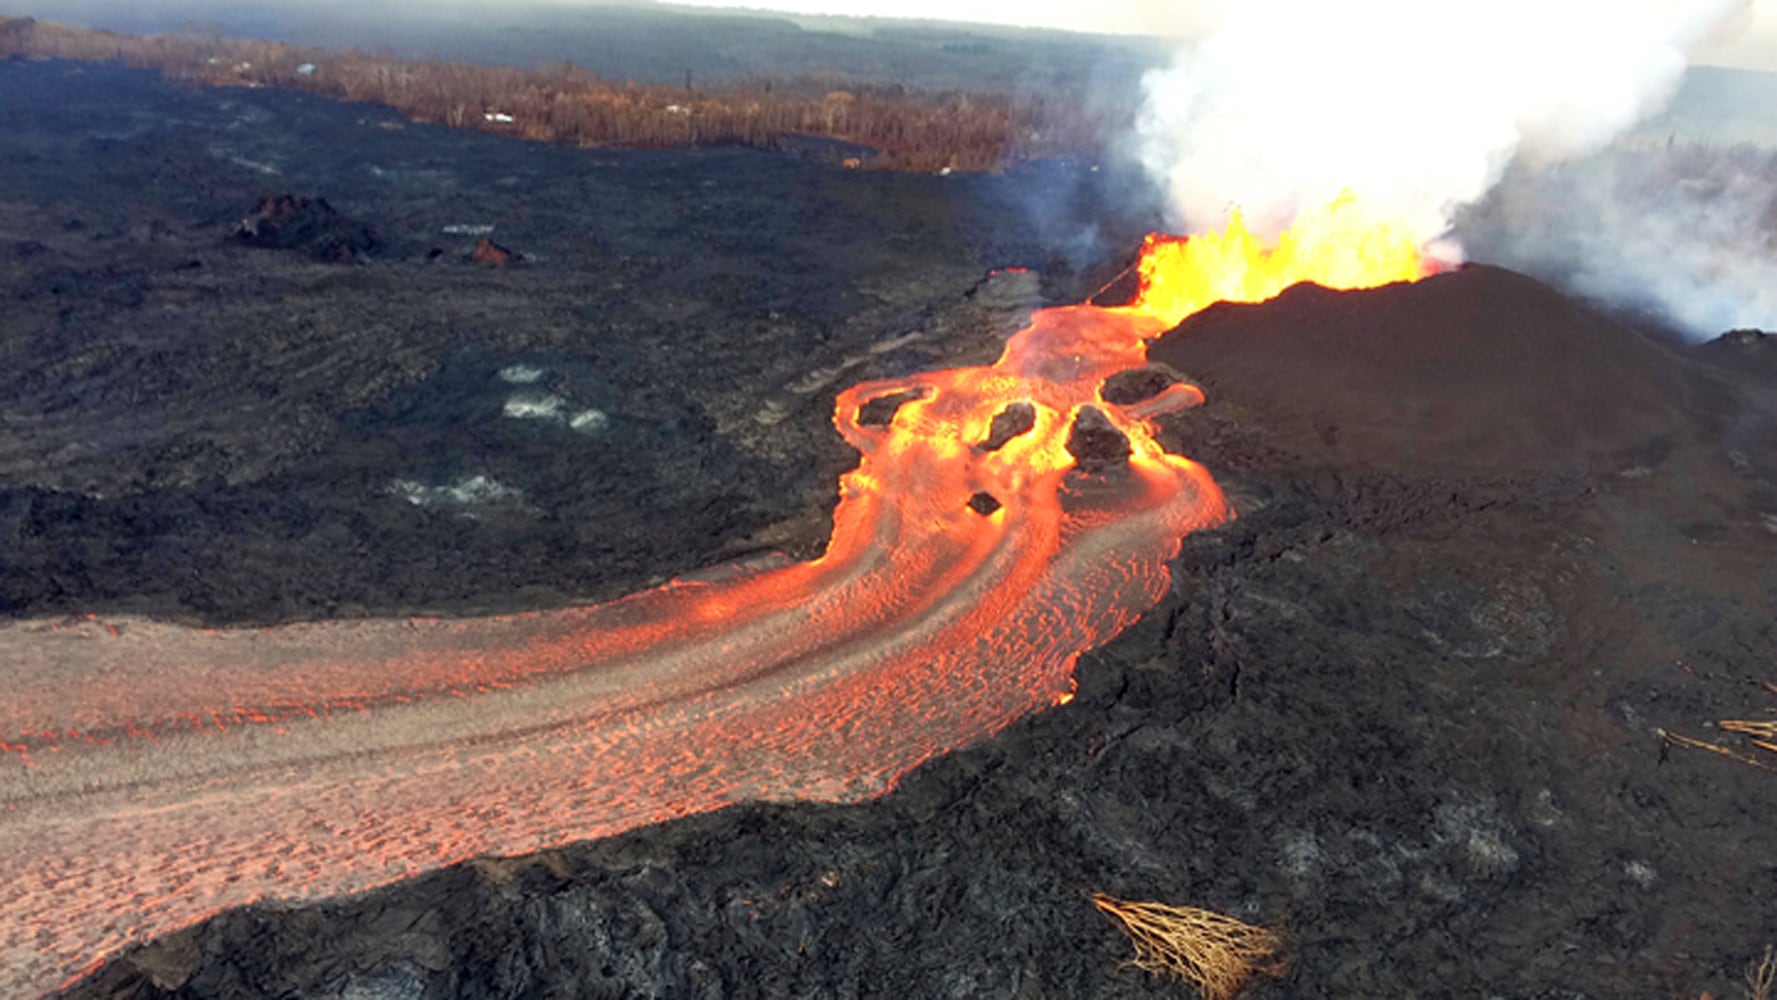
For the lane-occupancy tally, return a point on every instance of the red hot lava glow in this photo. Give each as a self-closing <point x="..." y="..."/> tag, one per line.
<point x="151" y="775"/>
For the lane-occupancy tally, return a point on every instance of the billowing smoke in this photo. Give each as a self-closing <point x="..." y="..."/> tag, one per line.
<point x="1686" y="232"/>
<point x="1416" y="106"/>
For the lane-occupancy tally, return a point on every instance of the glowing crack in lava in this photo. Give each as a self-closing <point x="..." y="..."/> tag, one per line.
<point x="154" y="774"/>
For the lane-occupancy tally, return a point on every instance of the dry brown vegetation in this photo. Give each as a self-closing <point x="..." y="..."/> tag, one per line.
<point x="1759" y="733"/>
<point x="566" y="104"/>
<point x="1761" y="976"/>
<point x="1213" y="952"/>
<point x="1763" y="733"/>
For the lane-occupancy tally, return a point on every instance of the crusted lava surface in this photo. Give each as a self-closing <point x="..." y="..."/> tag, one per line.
<point x="649" y="393"/>
<point x="1406" y="708"/>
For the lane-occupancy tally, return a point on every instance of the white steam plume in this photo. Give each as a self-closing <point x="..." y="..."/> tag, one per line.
<point x="1416" y="106"/>
<point x="1685" y="231"/>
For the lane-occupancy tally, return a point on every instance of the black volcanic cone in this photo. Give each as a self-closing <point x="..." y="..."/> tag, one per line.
<point x="1478" y="369"/>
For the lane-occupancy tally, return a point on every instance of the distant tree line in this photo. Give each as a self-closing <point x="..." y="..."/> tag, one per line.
<point x="905" y="128"/>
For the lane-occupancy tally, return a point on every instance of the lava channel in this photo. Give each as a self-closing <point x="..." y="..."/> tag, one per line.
<point x="152" y="775"/>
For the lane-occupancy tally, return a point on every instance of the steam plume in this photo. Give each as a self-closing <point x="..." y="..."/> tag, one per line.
<point x="1417" y="106"/>
<point x="1685" y="232"/>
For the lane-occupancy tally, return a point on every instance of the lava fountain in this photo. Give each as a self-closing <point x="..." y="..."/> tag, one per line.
<point x="154" y="774"/>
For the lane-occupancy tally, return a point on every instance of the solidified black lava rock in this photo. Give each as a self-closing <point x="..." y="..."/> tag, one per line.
<point x="880" y="412"/>
<point x="1747" y="352"/>
<point x="1017" y="418"/>
<point x="26" y="250"/>
<point x="984" y="503"/>
<point x="1137" y="384"/>
<point x="1096" y="443"/>
<point x="288" y="222"/>
<point x="1123" y="288"/>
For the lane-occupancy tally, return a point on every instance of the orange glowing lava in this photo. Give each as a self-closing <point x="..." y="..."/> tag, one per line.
<point x="151" y="775"/>
<point x="1336" y="246"/>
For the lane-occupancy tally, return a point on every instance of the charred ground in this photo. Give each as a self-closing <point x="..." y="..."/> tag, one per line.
<point x="1404" y="708"/>
<point x="185" y="408"/>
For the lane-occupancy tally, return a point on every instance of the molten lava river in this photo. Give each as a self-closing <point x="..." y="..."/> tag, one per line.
<point x="153" y="774"/>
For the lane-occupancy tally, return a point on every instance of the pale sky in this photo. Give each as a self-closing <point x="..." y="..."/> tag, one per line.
<point x="1753" y="44"/>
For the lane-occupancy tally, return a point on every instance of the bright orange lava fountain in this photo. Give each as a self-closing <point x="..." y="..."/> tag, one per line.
<point x="153" y="774"/>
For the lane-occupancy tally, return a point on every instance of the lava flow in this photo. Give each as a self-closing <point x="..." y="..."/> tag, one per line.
<point x="1001" y="521"/>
